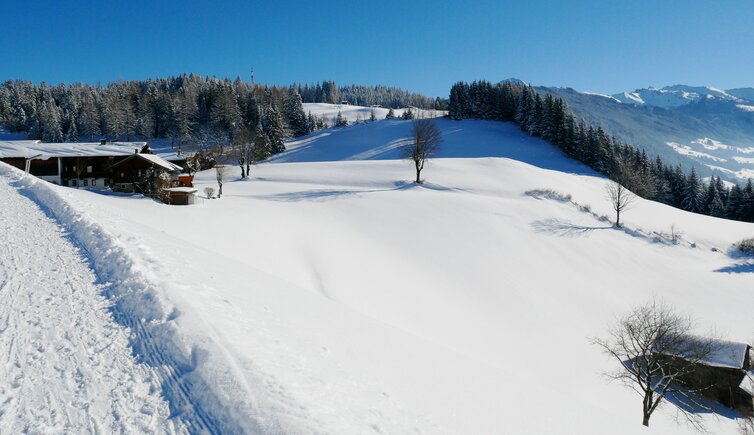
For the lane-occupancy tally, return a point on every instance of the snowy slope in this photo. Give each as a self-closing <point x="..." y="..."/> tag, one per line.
<point x="676" y="122"/>
<point x="65" y="365"/>
<point x="360" y="113"/>
<point x="343" y="299"/>
<point x="673" y="96"/>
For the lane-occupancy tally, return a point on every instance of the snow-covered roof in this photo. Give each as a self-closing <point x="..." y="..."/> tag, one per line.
<point x="181" y="189"/>
<point x="27" y="149"/>
<point x="727" y="354"/>
<point x="155" y="160"/>
<point x="747" y="384"/>
<point x="159" y="161"/>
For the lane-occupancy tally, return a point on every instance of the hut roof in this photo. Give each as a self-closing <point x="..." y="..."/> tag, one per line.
<point x="154" y="159"/>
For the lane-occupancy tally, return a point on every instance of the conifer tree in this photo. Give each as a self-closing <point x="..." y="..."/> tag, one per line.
<point x="692" y="194"/>
<point x="340" y="121"/>
<point x="296" y="116"/>
<point x="273" y="128"/>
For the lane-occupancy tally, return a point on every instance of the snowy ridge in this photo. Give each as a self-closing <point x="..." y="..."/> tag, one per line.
<point x="673" y="96"/>
<point x="194" y="378"/>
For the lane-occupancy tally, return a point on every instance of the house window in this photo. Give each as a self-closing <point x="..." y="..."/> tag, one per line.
<point x="86" y="183"/>
<point x="74" y="183"/>
<point x="88" y="169"/>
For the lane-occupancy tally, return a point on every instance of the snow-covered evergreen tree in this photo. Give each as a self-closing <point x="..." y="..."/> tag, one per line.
<point x="296" y="116"/>
<point x="274" y="129"/>
<point x="340" y="121"/>
<point x="692" y="194"/>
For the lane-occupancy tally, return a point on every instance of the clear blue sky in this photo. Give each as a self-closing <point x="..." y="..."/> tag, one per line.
<point x="602" y="46"/>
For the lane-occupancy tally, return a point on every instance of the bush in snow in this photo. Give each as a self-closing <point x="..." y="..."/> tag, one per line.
<point x="745" y="246"/>
<point x="548" y="194"/>
<point x="209" y="192"/>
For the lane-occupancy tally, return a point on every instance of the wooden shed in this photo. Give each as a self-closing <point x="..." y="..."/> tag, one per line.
<point x="180" y="195"/>
<point x="726" y="375"/>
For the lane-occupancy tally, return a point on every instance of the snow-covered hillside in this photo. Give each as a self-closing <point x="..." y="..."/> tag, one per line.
<point x="673" y="96"/>
<point x="328" y="294"/>
<point x="360" y="113"/>
<point x="676" y="122"/>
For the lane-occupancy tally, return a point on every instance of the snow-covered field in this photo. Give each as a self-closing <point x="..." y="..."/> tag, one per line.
<point x="360" y="113"/>
<point x="328" y="294"/>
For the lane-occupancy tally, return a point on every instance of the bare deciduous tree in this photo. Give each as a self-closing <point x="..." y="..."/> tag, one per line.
<point x="424" y="145"/>
<point x="243" y="147"/>
<point x="620" y="198"/>
<point x="656" y="353"/>
<point x="221" y="173"/>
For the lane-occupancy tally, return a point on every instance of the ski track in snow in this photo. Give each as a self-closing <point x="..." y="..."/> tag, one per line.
<point x="202" y="393"/>
<point x="65" y="366"/>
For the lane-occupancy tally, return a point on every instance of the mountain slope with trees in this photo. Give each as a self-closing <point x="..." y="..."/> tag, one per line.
<point x="546" y="116"/>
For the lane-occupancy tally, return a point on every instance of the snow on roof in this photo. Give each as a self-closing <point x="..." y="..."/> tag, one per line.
<point x="727" y="354"/>
<point x="181" y="189"/>
<point x="159" y="161"/>
<point x="747" y="384"/>
<point x="154" y="159"/>
<point x="27" y="149"/>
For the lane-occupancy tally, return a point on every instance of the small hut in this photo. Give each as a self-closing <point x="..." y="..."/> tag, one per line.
<point x="725" y="375"/>
<point x="180" y="195"/>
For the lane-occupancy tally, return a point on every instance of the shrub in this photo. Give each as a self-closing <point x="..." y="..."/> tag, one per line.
<point x="745" y="246"/>
<point x="209" y="192"/>
<point x="548" y="194"/>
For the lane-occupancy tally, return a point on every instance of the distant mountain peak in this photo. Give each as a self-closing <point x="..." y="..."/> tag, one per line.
<point x="679" y="95"/>
<point x="513" y="81"/>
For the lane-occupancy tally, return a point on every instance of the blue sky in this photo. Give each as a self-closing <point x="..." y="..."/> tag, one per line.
<point x="601" y="46"/>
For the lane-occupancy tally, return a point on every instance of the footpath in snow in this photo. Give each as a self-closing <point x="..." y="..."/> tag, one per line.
<point x="65" y="366"/>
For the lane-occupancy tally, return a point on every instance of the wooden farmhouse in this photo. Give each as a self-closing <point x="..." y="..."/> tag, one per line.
<point x="121" y="166"/>
<point x="726" y="375"/>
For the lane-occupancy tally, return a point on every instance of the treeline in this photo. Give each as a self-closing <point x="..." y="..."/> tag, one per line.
<point x="548" y="117"/>
<point x="188" y="109"/>
<point x="194" y="112"/>
<point x="388" y="97"/>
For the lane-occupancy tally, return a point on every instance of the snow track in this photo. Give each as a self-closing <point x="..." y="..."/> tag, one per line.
<point x="201" y="391"/>
<point x="65" y="365"/>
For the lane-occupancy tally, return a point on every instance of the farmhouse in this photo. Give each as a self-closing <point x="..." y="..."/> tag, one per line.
<point x="139" y="168"/>
<point x="87" y="165"/>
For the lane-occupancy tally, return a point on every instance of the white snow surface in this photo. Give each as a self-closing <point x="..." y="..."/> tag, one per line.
<point x="65" y="365"/>
<point x="329" y="294"/>
<point x="361" y="113"/>
<point x="29" y="148"/>
<point x="673" y="96"/>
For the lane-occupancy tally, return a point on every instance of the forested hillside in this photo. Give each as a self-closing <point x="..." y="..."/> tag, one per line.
<point x="548" y="117"/>
<point x="190" y="110"/>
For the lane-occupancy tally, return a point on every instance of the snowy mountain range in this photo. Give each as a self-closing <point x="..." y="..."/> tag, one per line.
<point x="701" y="126"/>
<point x="679" y="95"/>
